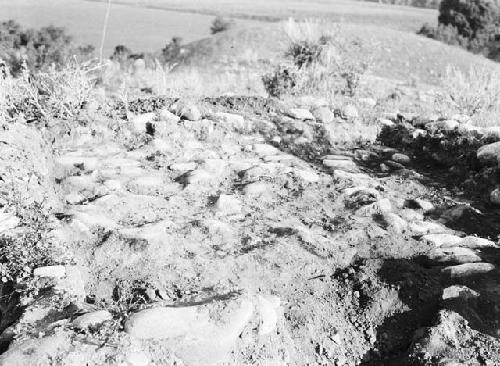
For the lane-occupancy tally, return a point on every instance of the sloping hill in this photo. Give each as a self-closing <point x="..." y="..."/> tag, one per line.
<point x="394" y="54"/>
<point x="398" y="17"/>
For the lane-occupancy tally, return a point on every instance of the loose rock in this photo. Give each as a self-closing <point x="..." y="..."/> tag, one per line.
<point x="228" y="205"/>
<point x="92" y="319"/>
<point x="301" y="114"/>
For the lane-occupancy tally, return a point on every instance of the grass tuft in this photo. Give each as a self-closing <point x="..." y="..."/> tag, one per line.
<point x="475" y="93"/>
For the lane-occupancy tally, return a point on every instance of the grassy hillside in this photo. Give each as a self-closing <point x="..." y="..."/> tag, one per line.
<point x="393" y="54"/>
<point x="393" y="16"/>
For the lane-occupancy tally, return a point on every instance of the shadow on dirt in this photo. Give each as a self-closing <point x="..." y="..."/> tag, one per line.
<point x="463" y="210"/>
<point x="425" y="289"/>
<point x="420" y="288"/>
<point x="423" y="286"/>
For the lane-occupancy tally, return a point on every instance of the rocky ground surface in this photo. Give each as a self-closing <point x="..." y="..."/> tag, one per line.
<point x="239" y="232"/>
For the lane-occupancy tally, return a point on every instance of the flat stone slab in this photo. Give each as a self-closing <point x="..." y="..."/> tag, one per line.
<point x="456" y="255"/>
<point x="457" y="291"/>
<point x="468" y="269"/>
<point x="427" y="227"/>
<point x="50" y="271"/>
<point x="474" y="242"/>
<point x="301" y="114"/>
<point x="343" y="164"/>
<point x="92" y="319"/>
<point x="265" y="150"/>
<point x="190" y="332"/>
<point x="442" y="240"/>
<point x="228" y="205"/>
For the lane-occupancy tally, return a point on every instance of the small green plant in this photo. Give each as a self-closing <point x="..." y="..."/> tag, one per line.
<point x="220" y="24"/>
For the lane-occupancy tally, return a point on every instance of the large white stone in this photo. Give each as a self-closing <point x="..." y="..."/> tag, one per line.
<point x="489" y="153"/>
<point x="302" y="114"/>
<point x="268" y="307"/>
<point x="456" y="255"/>
<point x="190" y="332"/>
<point x="92" y="319"/>
<point x="235" y="121"/>
<point x="474" y="242"/>
<point x="264" y="149"/>
<point x="308" y="176"/>
<point x="442" y="240"/>
<point x="228" y="205"/>
<point x="50" y="271"/>
<point x="167" y="116"/>
<point x="468" y="269"/>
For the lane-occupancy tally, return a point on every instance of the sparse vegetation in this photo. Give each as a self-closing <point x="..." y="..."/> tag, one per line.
<point x="320" y="63"/>
<point x="21" y="254"/>
<point x="245" y="228"/>
<point x="475" y="93"/>
<point x="282" y="81"/>
<point x="37" y="49"/>
<point x="56" y="93"/>
<point x="173" y="52"/>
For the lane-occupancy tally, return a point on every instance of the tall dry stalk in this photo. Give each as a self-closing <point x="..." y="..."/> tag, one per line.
<point x="104" y="30"/>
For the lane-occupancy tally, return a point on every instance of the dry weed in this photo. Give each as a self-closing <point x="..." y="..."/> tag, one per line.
<point x="475" y="93"/>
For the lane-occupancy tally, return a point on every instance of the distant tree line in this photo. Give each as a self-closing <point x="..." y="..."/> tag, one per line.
<point x="37" y="48"/>
<point x="432" y="4"/>
<point x="471" y="24"/>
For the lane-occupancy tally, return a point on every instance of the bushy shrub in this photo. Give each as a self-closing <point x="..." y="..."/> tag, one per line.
<point x="37" y="49"/>
<point x="173" y="51"/>
<point x="445" y="33"/>
<point x="471" y="24"/>
<point x="283" y="80"/>
<point x="43" y="96"/>
<point x="121" y="54"/>
<point x="220" y="24"/>
<point x="320" y="62"/>
<point x="304" y="53"/>
<point x="472" y="18"/>
<point x="472" y="93"/>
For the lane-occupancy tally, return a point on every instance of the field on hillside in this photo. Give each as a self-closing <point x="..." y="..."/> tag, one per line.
<point x="399" y="17"/>
<point x="391" y="53"/>
<point x="142" y="30"/>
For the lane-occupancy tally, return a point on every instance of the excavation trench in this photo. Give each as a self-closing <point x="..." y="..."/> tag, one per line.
<point x="420" y="283"/>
